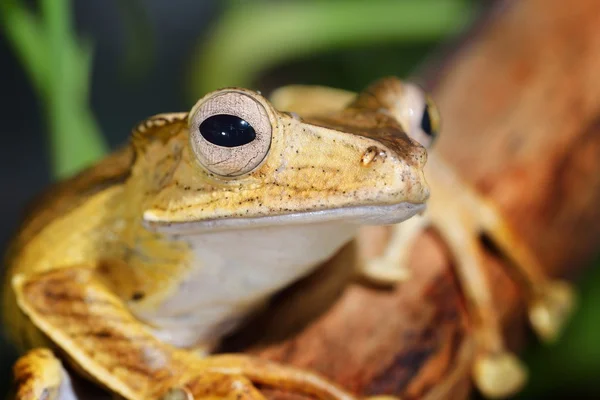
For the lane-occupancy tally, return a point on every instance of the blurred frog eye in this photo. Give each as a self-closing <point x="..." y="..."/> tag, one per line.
<point x="230" y="132"/>
<point x="430" y="120"/>
<point x="418" y="115"/>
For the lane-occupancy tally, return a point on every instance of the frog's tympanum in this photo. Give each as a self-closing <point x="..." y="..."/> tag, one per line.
<point x="133" y="271"/>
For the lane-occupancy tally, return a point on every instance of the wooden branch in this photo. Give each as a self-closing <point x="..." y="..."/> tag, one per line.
<point x="520" y="102"/>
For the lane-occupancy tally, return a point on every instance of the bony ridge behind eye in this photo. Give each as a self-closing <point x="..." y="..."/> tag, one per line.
<point x="230" y="132"/>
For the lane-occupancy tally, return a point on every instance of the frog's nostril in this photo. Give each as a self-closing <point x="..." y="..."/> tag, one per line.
<point x="372" y="154"/>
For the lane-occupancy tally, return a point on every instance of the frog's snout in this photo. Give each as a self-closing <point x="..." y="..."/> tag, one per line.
<point x="401" y="172"/>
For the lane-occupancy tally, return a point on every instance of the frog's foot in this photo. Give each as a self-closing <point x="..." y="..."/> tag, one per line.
<point x="497" y="372"/>
<point x="124" y="356"/>
<point x="39" y="375"/>
<point x="550" y="302"/>
<point x="390" y="267"/>
<point x="551" y="308"/>
<point x="499" y="375"/>
<point x="463" y="217"/>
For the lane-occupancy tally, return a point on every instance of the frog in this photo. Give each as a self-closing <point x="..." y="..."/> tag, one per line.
<point x="468" y="223"/>
<point x="131" y="273"/>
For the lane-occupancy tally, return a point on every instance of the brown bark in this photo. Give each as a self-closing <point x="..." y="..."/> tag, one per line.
<point x="520" y="102"/>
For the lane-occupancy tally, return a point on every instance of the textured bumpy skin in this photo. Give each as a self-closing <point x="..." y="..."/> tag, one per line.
<point x="107" y="262"/>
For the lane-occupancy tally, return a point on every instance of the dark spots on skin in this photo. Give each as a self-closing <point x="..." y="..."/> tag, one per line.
<point x="137" y="296"/>
<point x="102" y="334"/>
<point x="62" y="296"/>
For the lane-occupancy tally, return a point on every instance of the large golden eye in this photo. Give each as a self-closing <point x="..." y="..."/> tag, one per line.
<point x="230" y="133"/>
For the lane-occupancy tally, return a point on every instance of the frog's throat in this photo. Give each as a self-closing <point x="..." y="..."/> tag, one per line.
<point x="233" y="272"/>
<point x="385" y="214"/>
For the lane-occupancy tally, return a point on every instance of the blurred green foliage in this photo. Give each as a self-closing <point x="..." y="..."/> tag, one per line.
<point x="571" y="365"/>
<point x="58" y="64"/>
<point x="253" y="36"/>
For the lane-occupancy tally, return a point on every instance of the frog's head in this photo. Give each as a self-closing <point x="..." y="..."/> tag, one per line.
<point x="240" y="162"/>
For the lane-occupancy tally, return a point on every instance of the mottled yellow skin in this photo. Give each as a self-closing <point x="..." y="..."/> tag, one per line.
<point x="113" y="242"/>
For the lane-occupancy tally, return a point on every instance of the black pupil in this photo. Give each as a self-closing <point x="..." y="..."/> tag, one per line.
<point x="426" y="122"/>
<point x="227" y="130"/>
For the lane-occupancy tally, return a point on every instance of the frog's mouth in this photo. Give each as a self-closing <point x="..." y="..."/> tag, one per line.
<point x="384" y="214"/>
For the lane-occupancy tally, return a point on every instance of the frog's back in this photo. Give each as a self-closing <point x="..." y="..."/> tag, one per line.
<point x="63" y="224"/>
<point x="60" y="202"/>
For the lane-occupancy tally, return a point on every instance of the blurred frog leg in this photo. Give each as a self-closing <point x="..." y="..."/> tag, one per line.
<point x="497" y="372"/>
<point x="391" y="267"/>
<point x="121" y="353"/>
<point x="462" y="216"/>
<point x="550" y="302"/>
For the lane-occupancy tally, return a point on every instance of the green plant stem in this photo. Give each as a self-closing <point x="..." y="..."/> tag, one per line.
<point x="58" y="66"/>
<point x="252" y="36"/>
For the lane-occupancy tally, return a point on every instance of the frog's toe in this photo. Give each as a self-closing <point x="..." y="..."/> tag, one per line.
<point x="390" y="267"/>
<point x="499" y="375"/>
<point x="550" y="310"/>
<point x="385" y="272"/>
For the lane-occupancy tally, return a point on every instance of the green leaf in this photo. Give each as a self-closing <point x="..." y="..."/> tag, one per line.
<point x="253" y="36"/>
<point x="58" y="65"/>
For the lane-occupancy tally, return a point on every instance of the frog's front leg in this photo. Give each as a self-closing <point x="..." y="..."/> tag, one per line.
<point x="98" y="333"/>
<point x="462" y="217"/>
<point x="389" y="268"/>
<point x="39" y="375"/>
